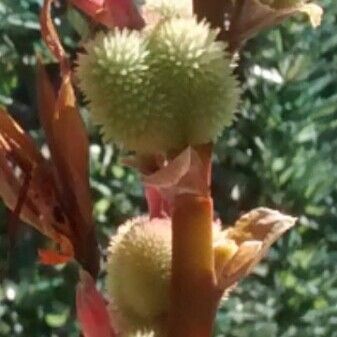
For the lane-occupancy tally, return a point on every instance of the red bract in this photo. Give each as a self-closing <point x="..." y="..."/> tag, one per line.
<point x="112" y="13"/>
<point x="249" y="17"/>
<point x="53" y="195"/>
<point x="28" y="187"/>
<point x="91" y="309"/>
<point x="189" y="172"/>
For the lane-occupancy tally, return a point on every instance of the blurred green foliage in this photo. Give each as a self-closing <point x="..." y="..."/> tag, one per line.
<point x="281" y="152"/>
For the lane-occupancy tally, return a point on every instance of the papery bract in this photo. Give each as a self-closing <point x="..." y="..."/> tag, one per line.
<point x="252" y="234"/>
<point x="249" y="17"/>
<point x="56" y="198"/>
<point x="92" y="312"/>
<point x="68" y="143"/>
<point x="188" y="172"/>
<point x="40" y="204"/>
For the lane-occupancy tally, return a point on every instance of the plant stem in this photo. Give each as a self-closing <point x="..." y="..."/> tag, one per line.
<point x="193" y="299"/>
<point x="87" y="253"/>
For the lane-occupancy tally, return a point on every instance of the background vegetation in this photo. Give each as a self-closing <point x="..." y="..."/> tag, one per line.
<point x="281" y="152"/>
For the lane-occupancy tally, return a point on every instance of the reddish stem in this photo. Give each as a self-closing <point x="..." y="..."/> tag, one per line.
<point x="193" y="296"/>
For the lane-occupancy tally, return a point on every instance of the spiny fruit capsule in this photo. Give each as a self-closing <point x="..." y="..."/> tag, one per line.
<point x="142" y="333"/>
<point x="138" y="271"/>
<point x="159" y="90"/>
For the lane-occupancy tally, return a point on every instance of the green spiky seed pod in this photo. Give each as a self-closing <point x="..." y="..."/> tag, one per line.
<point x="193" y="73"/>
<point x="169" y="8"/>
<point x="113" y="74"/>
<point x="142" y="333"/>
<point x="160" y="90"/>
<point x="138" y="271"/>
